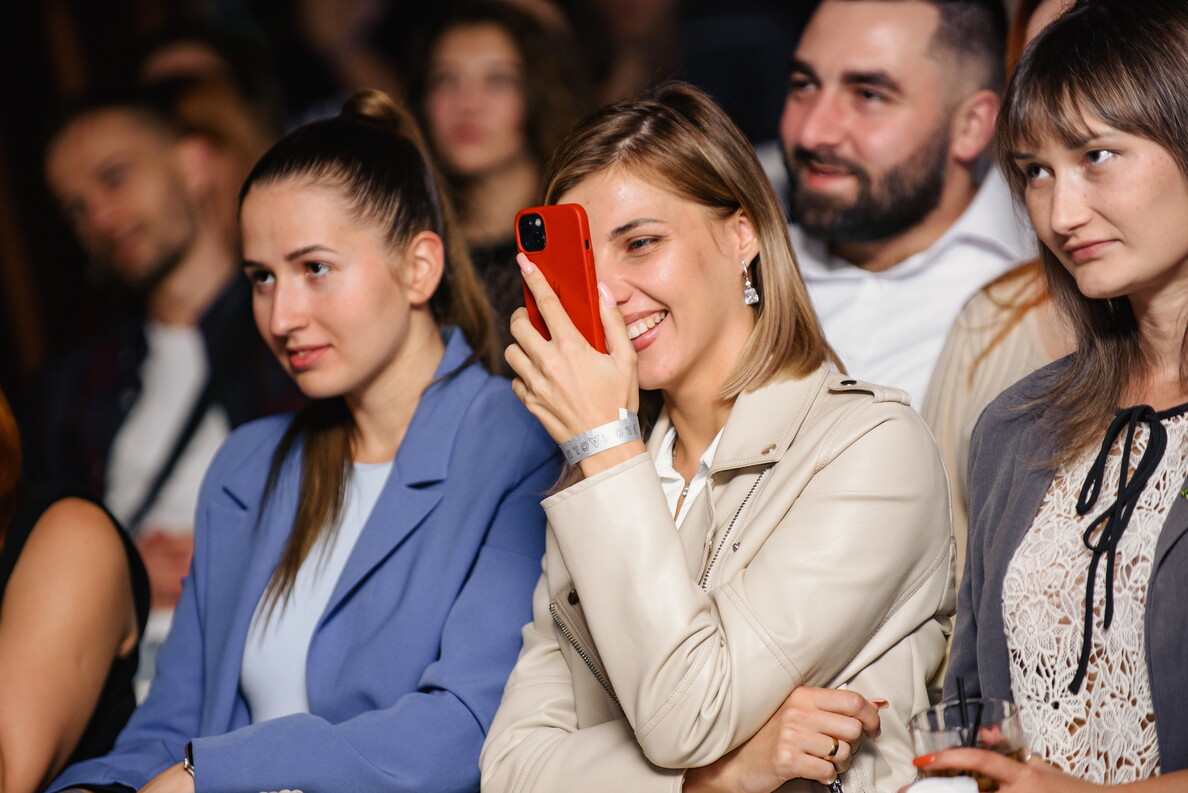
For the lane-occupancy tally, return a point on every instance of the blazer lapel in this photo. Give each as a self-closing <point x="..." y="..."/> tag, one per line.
<point x="422" y="462"/>
<point x="244" y="557"/>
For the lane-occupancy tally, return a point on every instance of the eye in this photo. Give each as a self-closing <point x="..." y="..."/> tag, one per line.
<point x="259" y="277"/>
<point x="1098" y="156"/>
<point x="641" y="244"/>
<point x="113" y="176"/>
<point x="503" y="81"/>
<point x="799" y="84"/>
<point x="1033" y="171"/>
<point x="317" y="269"/>
<point x="870" y="96"/>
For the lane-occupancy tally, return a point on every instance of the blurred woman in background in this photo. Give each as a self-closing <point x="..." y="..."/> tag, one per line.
<point x="500" y="89"/>
<point x="74" y="598"/>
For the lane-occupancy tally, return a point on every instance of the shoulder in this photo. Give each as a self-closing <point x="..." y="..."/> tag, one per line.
<point x="76" y="536"/>
<point x="495" y="415"/>
<point x="1019" y="404"/>
<point x="248" y="449"/>
<point x="828" y="412"/>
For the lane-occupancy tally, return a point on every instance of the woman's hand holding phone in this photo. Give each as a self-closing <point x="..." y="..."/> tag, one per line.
<point x="567" y="384"/>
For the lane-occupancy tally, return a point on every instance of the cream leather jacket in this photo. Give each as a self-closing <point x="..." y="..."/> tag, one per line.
<point x="820" y="553"/>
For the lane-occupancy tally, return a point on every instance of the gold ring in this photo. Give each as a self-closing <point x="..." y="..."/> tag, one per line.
<point x="833" y="751"/>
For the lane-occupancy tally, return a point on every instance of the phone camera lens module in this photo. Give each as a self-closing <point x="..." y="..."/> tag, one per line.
<point x="532" y="232"/>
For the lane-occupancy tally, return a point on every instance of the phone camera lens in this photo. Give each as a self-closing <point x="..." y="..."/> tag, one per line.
<point x="532" y="232"/>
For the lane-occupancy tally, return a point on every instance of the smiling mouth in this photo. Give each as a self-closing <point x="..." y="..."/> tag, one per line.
<point x="304" y="357"/>
<point x="637" y="329"/>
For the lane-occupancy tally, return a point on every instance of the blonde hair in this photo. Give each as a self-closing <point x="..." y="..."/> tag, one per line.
<point x="676" y="134"/>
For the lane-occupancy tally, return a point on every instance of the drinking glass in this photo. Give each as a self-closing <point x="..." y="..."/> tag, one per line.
<point x="983" y="723"/>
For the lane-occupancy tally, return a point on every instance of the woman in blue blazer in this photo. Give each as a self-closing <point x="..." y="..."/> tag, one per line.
<point x="362" y="569"/>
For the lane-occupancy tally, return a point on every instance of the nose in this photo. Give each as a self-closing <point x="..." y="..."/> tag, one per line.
<point x="612" y="274"/>
<point x="1068" y="207"/>
<point x="813" y="121"/>
<point x="285" y="307"/>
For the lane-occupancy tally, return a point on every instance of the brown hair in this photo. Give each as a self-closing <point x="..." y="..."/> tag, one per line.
<point x="10" y="466"/>
<point x="374" y="156"/>
<point x="677" y="135"/>
<point x="556" y="88"/>
<point x="1125" y="63"/>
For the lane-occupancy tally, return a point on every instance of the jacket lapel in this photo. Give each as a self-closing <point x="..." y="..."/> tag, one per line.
<point x="746" y="444"/>
<point x="234" y="591"/>
<point x="422" y="462"/>
<point x="1173" y="528"/>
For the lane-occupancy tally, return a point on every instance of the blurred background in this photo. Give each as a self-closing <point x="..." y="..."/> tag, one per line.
<point x="244" y="71"/>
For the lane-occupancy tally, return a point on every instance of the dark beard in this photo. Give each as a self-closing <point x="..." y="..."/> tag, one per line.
<point x="897" y="202"/>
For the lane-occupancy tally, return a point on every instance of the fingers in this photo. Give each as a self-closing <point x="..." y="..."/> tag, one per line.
<point x="618" y="343"/>
<point x="555" y="317"/>
<point x="982" y="761"/>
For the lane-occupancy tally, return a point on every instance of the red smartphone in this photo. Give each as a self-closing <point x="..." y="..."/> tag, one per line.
<point x="557" y="240"/>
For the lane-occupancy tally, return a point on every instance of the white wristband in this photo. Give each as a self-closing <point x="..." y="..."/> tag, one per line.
<point x="599" y="439"/>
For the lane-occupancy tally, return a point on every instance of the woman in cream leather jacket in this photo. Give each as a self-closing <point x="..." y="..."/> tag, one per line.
<point x="742" y="596"/>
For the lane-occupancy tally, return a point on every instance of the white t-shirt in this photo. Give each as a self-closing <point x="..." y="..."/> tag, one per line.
<point x="272" y="673"/>
<point x="172" y="377"/>
<point x="889" y="327"/>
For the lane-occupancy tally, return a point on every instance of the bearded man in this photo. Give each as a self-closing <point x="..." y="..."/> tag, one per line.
<point x="890" y="107"/>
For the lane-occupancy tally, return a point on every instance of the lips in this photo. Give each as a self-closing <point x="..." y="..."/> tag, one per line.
<point x="1084" y="251"/>
<point x="302" y="358"/>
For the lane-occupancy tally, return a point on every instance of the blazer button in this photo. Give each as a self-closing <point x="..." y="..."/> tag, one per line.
<point x="573" y="597"/>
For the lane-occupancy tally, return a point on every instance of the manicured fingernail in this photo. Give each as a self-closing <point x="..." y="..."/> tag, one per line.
<point x="880" y="703"/>
<point x="526" y="265"/>
<point x="607" y="298"/>
<point x="924" y="760"/>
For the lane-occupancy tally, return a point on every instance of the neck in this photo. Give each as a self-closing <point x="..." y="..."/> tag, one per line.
<point x="490" y="201"/>
<point x="881" y="255"/>
<point x="383" y="409"/>
<point x="1161" y="321"/>
<point x="697" y="423"/>
<point x="184" y="295"/>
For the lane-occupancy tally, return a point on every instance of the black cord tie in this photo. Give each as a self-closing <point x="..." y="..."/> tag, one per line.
<point x="1116" y="517"/>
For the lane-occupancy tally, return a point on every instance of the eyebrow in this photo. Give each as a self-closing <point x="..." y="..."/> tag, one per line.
<point x="630" y="226"/>
<point x="877" y="78"/>
<point x="297" y="254"/>
<point x="1077" y="143"/>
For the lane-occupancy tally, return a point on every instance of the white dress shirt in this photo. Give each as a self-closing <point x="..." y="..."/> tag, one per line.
<point x="889" y="327"/>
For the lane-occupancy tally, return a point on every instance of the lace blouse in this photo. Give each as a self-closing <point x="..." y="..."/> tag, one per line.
<point x="1080" y="674"/>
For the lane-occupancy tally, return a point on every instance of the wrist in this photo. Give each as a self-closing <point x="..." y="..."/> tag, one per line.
<point x="596" y="441"/>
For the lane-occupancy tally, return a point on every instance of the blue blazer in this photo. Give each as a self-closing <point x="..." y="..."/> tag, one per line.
<point x="407" y="664"/>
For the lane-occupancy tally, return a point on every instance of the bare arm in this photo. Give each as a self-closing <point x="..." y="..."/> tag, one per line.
<point x="67" y="612"/>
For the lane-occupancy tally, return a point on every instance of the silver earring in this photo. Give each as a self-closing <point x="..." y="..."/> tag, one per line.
<point x="750" y="294"/>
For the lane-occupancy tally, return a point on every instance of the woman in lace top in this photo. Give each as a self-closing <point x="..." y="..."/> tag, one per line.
<point x="1069" y="604"/>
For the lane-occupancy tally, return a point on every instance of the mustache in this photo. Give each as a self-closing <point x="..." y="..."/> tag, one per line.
<point x="803" y="156"/>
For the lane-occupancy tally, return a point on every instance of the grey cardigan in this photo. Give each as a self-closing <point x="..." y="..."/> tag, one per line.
<point x="1008" y="479"/>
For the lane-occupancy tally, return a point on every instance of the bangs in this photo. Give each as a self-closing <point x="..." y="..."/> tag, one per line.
<point x="1084" y="68"/>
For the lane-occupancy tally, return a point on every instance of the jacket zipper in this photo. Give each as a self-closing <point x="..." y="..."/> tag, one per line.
<point x="705" y="577"/>
<point x="584" y="656"/>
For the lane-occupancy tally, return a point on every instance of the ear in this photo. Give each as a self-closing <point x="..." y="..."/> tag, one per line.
<point x="742" y="239"/>
<point x="195" y="157"/>
<point x="422" y="266"/>
<point x="972" y="125"/>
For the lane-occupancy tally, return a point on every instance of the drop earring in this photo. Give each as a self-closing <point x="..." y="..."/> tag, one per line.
<point x="750" y="294"/>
